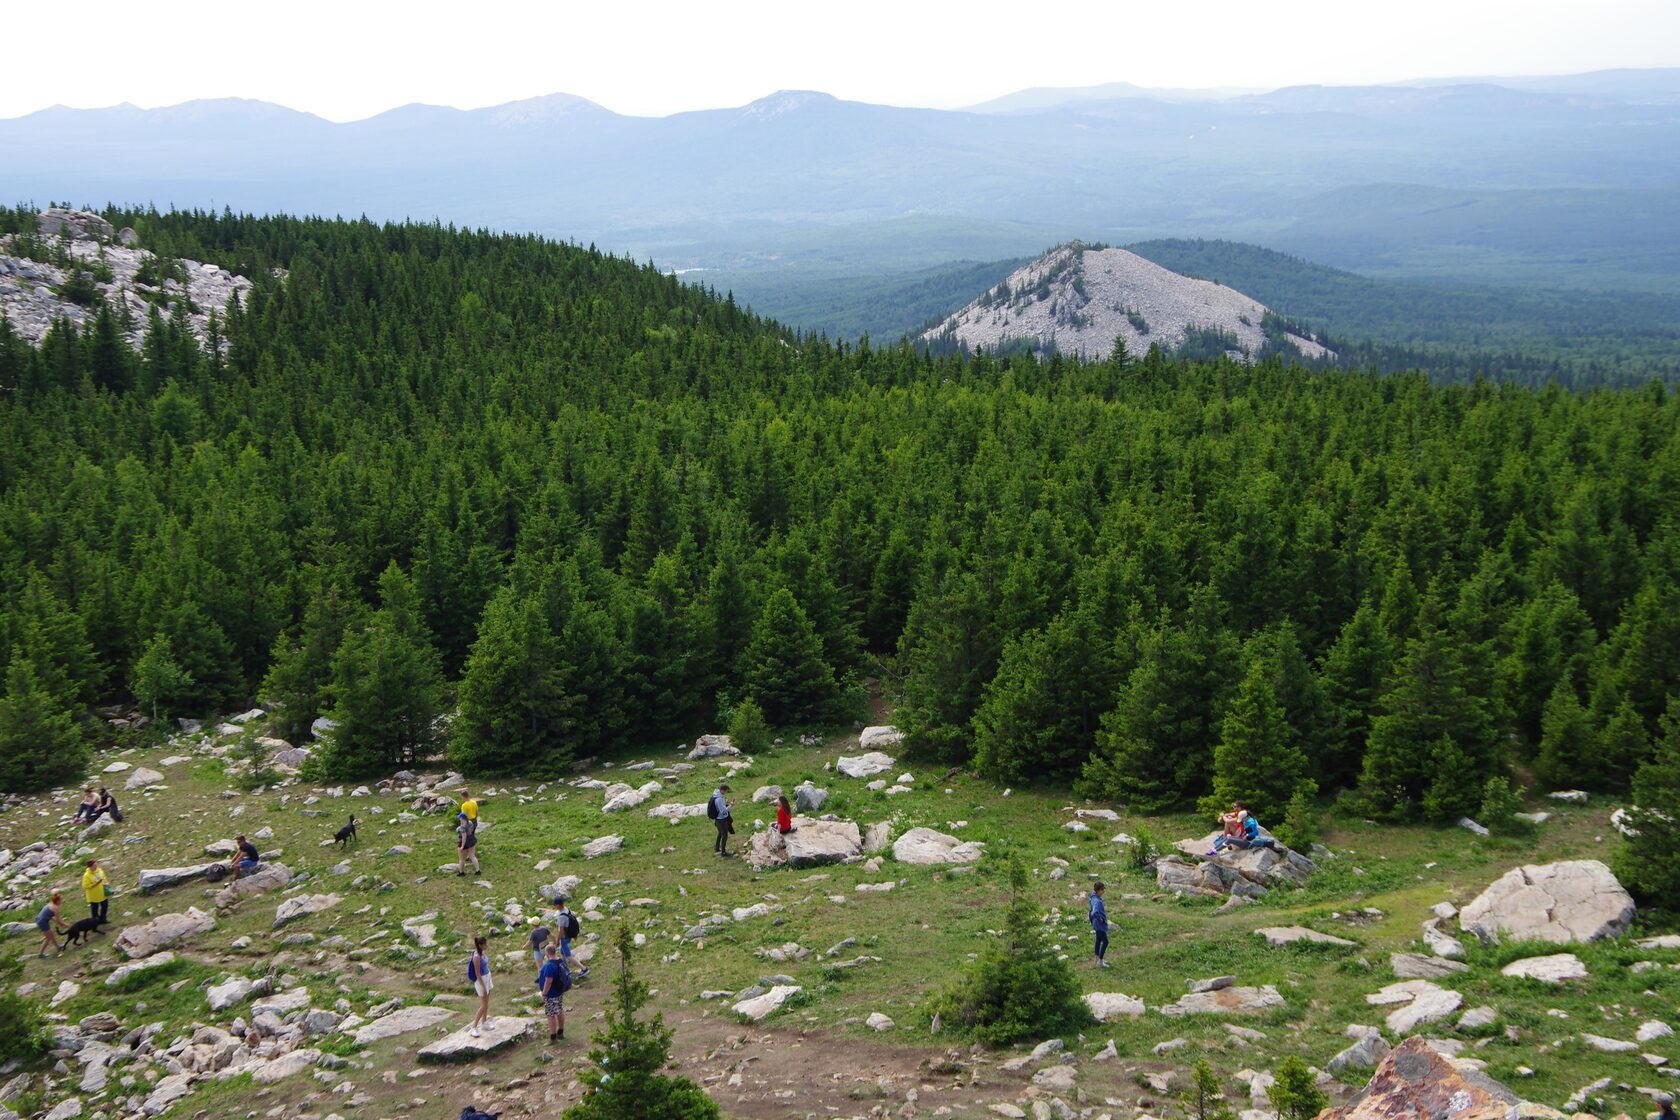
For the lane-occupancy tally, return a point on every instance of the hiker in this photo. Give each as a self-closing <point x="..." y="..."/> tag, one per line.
<point x="478" y="971"/>
<point x="552" y="982"/>
<point x="94" y="884"/>
<point x="107" y="806"/>
<point x="46" y="920"/>
<point x="245" y="858"/>
<point x="469" y="806"/>
<point x="1665" y="1107"/>
<point x="466" y="844"/>
<point x="1231" y="829"/>
<point x="1099" y="923"/>
<point x="88" y="809"/>
<point x="568" y="926"/>
<point x="540" y="938"/>
<point x="718" y="809"/>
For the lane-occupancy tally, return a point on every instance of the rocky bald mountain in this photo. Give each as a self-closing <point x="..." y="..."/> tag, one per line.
<point x="1078" y="299"/>
<point x="76" y="263"/>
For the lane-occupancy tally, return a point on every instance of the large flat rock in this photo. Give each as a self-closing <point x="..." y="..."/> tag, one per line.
<point x="303" y="905"/>
<point x="865" y="765"/>
<point x="875" y="738"/>
<point x="268" y="877"/>
<point x="925" y="847"/>
<point x="760" y="1006"/>
<point x="1418" y="966"/>
<point x="1279" y="936"/>
<point x="1575" y="900"/>
<point x="401" y="1021"/>
<point x="1235" y="1000"/>
<point x="1113" y="1005"/>
<point x="157" y="878"/>
<point x="810" y="844"/>
<point x="602" y="846"/>
<point x="165" y="929"/>
<point x="1553" y="969"/>
<point x="499" y="1032"/>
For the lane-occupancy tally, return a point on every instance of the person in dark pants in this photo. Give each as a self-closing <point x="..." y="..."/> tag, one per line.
<point x="721" y="818"/>
<point x="94" y="884"/>
<point x="1099" y="923"/>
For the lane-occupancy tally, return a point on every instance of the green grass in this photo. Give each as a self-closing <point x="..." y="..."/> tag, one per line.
<point x="924" y="931"/>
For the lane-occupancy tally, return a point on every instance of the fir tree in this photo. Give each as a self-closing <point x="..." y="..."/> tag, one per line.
<point x="1354" y="675"/>
<point x="1645" y="860"/>
<point x="625" y="1076"/>
<point x="1570" y="752"/>
<point x="40" y="744"/>
<point x="1256" y="761"/>
<point x="783" y="667"/>
<point x="300" y="666"/>
<point x="516" y="715"/>
<point x="157" y="679"/>
<point x="1295" y="1092"/>
<point x="1042" y="710"/>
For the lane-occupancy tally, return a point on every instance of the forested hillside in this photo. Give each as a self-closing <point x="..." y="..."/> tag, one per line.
<point x="596" y="507"/>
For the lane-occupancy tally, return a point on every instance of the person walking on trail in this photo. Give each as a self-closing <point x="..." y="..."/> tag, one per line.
<point x="469" y="806"/>
<point x="46" y="920"/>
<point x="478" y="971"/>
<point x="94" y="884"/>
<point x="718" y="809"/>
<point x="552" y="982"/>
<point x="1099" y="924"/>
<point x="466" y="844"/>
<point x="567" y="926"/>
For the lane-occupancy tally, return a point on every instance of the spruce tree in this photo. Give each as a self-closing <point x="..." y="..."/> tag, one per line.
<point x="157" y="679"/>
<point x="1042" y="710"/>
<point x="1257" y="760"/>
<point x="1645" y="860"/>
<point x="40" y="744"/>
<point x="1353" y="677"/>
<point x="300" y="666"/>
<point x="783" y="667"/>
<point x="387" y="689"/>
<point x="625" y="1076"/>
<point x="516" y="715"/>
<point x="1570" y="754"/>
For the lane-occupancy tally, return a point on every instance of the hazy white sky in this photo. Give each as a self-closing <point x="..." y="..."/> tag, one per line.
<point x="346" y="59"/>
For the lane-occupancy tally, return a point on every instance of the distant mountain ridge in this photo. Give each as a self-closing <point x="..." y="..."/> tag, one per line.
<point x="1079" y="300"/>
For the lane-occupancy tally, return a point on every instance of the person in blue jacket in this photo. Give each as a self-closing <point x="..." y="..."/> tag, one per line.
<point x="1099" y="923"/>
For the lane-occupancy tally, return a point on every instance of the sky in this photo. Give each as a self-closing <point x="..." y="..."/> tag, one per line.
<point x="348" y="59"/>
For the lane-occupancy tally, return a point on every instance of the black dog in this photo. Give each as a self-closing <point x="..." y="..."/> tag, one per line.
<point x="81" y="930"/>
<point x="348" y="833"/>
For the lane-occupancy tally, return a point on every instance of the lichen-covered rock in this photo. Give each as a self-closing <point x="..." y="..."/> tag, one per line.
<point x="1575" y="900"/>
<point x="1416" y="1083"/>
<point x="925" y="847"/>
<point x="1235" y="1000"/>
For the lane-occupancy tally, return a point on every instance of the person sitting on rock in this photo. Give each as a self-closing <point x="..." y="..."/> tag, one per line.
<point x="88" y="809"/>
<point x="1231" y="829"/>
<point x="107" y="806"/>
<point x="245" y="858"/>
<point x="784" y="815"/>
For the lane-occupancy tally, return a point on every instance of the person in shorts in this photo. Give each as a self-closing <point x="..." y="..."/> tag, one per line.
<point x="466" y="844"/>
<point x="550" y="982"/>
<point x="478" y="971"/>
<point x="46" y="920"/>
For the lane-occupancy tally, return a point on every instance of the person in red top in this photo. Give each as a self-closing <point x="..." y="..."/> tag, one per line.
<point x="784" y="815"/>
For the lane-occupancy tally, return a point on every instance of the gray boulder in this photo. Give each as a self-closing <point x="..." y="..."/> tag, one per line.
<point x="923" y="847"/>
<point x="165" y="929"/>
<point x="865" y="765"/>
<point x="268" y="877"/>
<point x="499" y="1032"/>
<point x="810" y="844"/>
<point x="301" y="906"/>
<point x="1575" y="900"/>
<point x="157" y="878"/>
<point x="807" y="798"/>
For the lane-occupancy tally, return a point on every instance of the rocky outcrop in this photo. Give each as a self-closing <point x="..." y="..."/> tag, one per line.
<point x="810" y="844"/>
<point x="619" y="796"/>
<point x="302" y="906"/>
<point x="1279" y="936"/>
<point x="712" y="746"/>
<point x="1417" y="1083"/>
<point x="602" y="846"/>
<point x="1113" y="1005"/>
<point x="401" y="1021"/>
<point x="268" y="877"/>
<point x="1233" y="1000"/>
<point x="762" y="1005"/>
<point x="1576" y="900"/>
<point x="143" y="777"/>
<point x="865" y="765"/>
<point x="1553" y="969"/>
<point x="877" y="738"/>
<point x="498" y="1032"/>
<point x="73" y="225"/>
<point x="925" y="847"/>
<point x="1245" y="874"/>
<point x="165" y="929"/>
<point x="157" y="878"/>
<point x="807" y="798"/>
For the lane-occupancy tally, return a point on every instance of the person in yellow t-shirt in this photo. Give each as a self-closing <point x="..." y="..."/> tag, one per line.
<point x="469" y="806"/>
<point x="94" y="882"/>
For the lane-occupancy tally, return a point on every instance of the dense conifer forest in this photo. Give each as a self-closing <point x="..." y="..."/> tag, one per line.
<point x="570" y="504"/>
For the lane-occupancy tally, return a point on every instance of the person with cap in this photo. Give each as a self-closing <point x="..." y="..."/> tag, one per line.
<point x="567" y="927"/>
<point x="94" y="884"/>
<point x="718" y="809"/>
<point x="466" y="844"/>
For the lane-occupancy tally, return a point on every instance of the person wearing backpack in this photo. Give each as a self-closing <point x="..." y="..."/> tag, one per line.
<point x="540" y="938"/>
<point x="717" y="808"/>
<point x="568" y="928"/>
<point x="466" y="844"/>
<point x="478" y="972"/>
<point x="553" y="981"/>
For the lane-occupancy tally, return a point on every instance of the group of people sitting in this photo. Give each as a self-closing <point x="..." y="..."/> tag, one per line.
<point x="1239" y="830"/>
<point x="98" y="805"/>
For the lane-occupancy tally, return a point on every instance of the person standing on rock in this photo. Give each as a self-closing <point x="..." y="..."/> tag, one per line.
<point x="1099" y="923"/>
<point x="552" y="983"/>
<point x="718" y="809"/>
<point x="478" y="971"/>
<point x="94" y="883"/>
<point x="466" y="844"/>
<point x="46" y="920"/>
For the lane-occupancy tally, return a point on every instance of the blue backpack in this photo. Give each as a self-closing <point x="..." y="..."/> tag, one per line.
<point x="472" y="969"/>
